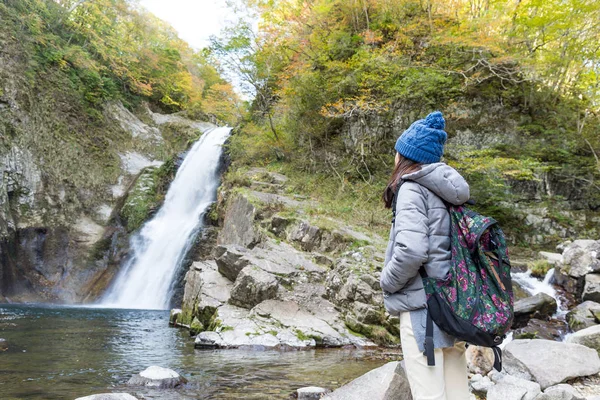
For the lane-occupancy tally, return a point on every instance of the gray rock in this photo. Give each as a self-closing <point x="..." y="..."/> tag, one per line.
<point x="399" y="388"/>
<point x="589" y="337"/>
<point x="480" y="384"/>
<point x="253" y="286"/>
<point x="208" y="340"/>
<point x="306" y="235"/>
<point x="158" y="378"/>
<point x="230" y="261"/>
<point x="367" y="314"/>
<point x="552" y="258"/>
<point x="312" y="393"/>
<point x="562" y="246"/>
<point x="549" y="362"/>
<point x="238" y="224"/>
<point x="591" y="290"/>
<point x="503" y="391"/>
<point x="560" y="392"/>
<point x="532" y="389"/>
<point x="541" y="305"/>
<point x="581" y="257"/>
<point x="108" y="396"/>
<point x="3" y="345"/>
<point x="583" y="316"/>
<point x="372" y="385"/>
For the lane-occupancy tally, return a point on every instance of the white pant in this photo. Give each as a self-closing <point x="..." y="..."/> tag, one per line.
<point x="447" y="380"/>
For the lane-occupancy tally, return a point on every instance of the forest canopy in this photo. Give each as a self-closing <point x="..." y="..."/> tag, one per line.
<point x="115" y="49"/>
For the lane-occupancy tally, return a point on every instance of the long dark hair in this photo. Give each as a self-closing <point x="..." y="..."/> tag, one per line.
<point x="404" y="167"/>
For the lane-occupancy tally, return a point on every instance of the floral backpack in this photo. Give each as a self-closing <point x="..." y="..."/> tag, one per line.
<point x="474" y="302"/>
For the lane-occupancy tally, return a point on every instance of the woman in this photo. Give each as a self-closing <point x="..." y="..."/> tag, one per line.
<point x="420" y="238"/>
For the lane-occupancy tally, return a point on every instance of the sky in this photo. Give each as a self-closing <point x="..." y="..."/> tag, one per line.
<point x="194" y="20"/>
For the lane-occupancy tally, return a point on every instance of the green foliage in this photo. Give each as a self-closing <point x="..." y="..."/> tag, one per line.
<point x="539" y="268"/>
<point x="112" y="49"/>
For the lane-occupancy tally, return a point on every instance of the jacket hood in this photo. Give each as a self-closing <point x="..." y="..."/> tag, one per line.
<point x="444" y="181"/>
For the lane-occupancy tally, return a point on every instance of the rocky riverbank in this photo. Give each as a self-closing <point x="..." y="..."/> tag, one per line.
<point x="272" y="277"/>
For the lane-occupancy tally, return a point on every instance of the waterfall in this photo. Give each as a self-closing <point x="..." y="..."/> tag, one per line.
<point x="157" y="250"/>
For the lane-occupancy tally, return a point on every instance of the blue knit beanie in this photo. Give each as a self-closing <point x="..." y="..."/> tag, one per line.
<point x="424" y="140"/>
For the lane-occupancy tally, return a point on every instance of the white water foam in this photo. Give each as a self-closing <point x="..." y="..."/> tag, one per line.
<point x="534" y="286"/>
<point x="146" y="279"/>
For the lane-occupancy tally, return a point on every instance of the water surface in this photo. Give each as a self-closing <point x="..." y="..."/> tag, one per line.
<point x="63" y="353"/>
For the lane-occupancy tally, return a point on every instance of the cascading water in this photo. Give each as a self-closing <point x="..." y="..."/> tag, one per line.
<point x="145" y="281"/>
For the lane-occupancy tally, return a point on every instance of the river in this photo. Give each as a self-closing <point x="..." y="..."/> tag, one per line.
<point x="64" y="352"/>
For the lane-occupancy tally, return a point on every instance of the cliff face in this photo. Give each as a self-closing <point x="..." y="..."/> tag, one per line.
<point x="66" y="204"/>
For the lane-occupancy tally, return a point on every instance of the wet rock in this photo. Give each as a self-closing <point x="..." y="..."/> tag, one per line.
<point x="541" y="329"/>
<point x="399" y="388"/>
<point x="108" y="396"/>
<point x="539" y="306"/>
<point x="372" y="385"/>
<point x="480" y="384"/>
<point x="230" y="261"/>
<point x="253" y="286"/>
<point x="591" y="290"/>
<point x="560" y="392"/>
<point x="208" y="340"/>
<point x="584" y="315"/>
<point x="589" y="337"/>
<point x="311" y="393"/>
<point x="157" y="377"/>
<point x="480" y="360"/>
<point x="238" y="224"/>
<point x="548" y="362"/>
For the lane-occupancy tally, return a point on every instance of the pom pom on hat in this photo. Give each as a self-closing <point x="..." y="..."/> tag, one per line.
<point x="424" y="140"/>
<point x="435" y="120"/>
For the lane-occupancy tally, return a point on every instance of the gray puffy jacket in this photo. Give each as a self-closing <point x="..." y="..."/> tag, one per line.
<point x="420" y="235"/>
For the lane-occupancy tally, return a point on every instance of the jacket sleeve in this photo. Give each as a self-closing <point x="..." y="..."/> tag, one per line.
<point x="411" y="243"/>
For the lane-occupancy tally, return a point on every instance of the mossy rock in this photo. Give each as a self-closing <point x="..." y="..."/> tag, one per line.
<point x="196" y="327"/>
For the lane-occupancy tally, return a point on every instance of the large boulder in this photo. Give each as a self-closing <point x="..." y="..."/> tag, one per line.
<point x="589" y="337"/>
<point x="591" y="289"/>
<point x="373" y="385"/>
<point x="584" y="315"/>
<point x="253" y="286"/>
<point x="578" y="259"/>
<point x="548" y="362"/>
<point x="158" y="378"/>
<point x="539" y="306"/>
